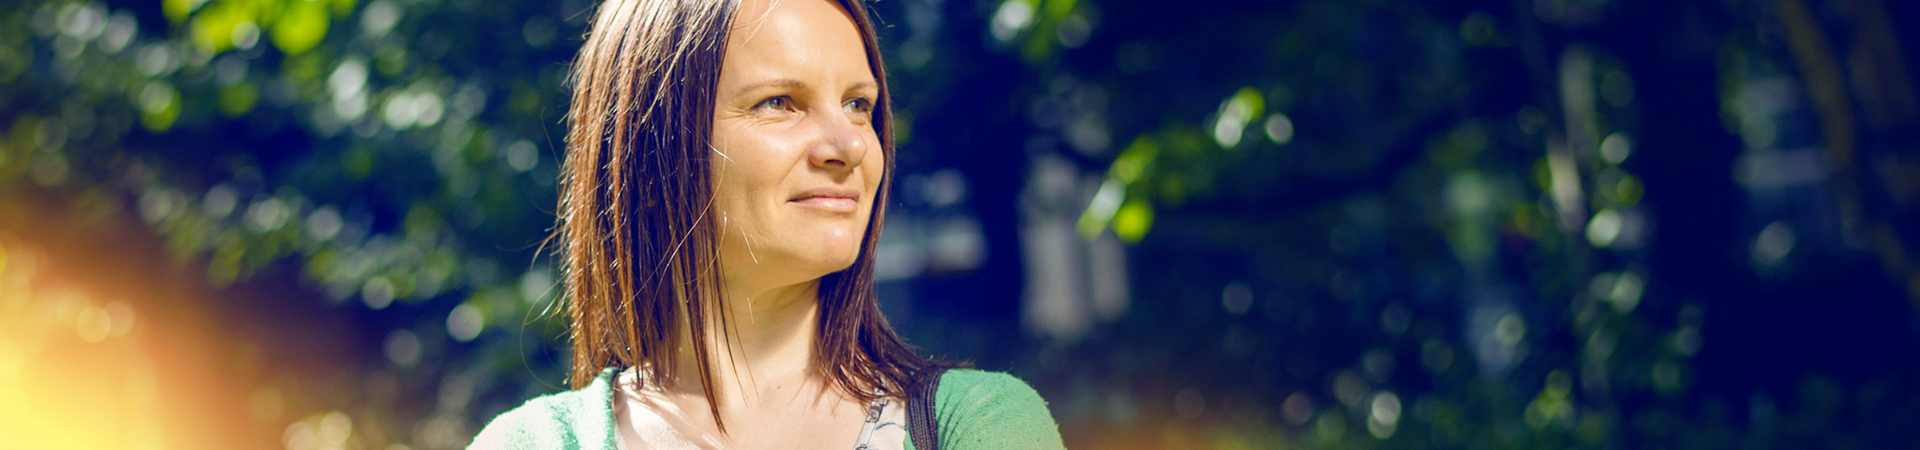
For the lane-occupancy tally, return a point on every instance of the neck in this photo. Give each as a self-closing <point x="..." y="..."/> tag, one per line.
<point x="763" y="347"/>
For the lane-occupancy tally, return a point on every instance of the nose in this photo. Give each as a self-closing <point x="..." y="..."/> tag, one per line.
<point x="841" y="146"/>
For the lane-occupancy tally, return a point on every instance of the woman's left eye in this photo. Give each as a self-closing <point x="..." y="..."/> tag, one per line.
<point x="776" y="103"/>
<point x="858" y="105"/>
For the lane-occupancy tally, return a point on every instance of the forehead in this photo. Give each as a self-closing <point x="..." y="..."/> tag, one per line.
<point x="788" y="35"/>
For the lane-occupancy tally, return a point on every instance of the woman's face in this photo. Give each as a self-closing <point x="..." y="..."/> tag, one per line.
<point x="797" y="161"/>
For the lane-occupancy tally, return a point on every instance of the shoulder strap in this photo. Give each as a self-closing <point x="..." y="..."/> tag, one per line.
<point x="920" y="416"/>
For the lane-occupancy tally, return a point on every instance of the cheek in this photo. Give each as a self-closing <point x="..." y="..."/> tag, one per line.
<point x="875" y="167"/>
<point x="749" y="170"/>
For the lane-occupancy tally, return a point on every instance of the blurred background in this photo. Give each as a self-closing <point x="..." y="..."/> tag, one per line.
<point x="316" y="224"/>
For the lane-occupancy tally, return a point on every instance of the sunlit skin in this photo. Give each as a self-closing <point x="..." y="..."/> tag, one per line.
<point x="797" y="165"/>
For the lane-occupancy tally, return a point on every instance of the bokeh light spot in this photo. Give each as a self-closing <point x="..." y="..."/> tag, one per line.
<point x="1190" y="403"/>
<point x="1510" y="330"/>
<point x="1236" y="112"/>
<point x="1626" y="292"/>
<point x="403" y="348"/>
<point x="94" y="324"/>
<point x="324" y="223"/>
<point x="1616" y="148"/>
<point x="122" y="318"/>
<point x="1604" y="228"/>
<point x="1012" y="17"/>
<point x="1772" y="245"/>
<point x="379" y="18"/>
<point x="1279" y="129"/>
<point x="301" y="26"/>
<point x="465" y="323"/>
<point x="1133" y="220"/>
<point x="522" y="156"/>
<point x="1297" y="409"/>
<point x="1384" y="415"/>
<point x="1236" y="297"/>
<point x="539" y="31"/>
<point x="377" y="293"/>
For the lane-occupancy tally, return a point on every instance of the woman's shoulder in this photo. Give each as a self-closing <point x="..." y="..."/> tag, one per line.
<point x="574" y="419"/>
<point x="971" y="383"/>
<point x="982" y="409"/>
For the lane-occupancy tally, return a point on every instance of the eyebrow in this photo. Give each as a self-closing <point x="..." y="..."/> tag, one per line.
<point x="790" y="83"/>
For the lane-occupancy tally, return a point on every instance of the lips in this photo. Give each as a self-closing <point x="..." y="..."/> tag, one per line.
<point x="829" y="199"/>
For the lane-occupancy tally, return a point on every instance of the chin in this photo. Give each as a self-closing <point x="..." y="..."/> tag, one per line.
<point x="839" y="248"/>
<point x="820" y="251"/>
<point x="835" y="261"/>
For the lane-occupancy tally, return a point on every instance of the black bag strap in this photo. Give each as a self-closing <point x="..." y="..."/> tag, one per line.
<point x="923" y="429"/>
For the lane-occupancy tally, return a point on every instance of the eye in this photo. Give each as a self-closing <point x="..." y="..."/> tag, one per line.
<point x="860" y="105"/>
<point x="780" y="103"/>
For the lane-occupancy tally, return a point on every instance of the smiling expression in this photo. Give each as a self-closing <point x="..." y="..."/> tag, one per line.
<point x="797" y="160"/>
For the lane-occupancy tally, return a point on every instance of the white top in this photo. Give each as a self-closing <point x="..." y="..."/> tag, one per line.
<point x="644" y="427"/>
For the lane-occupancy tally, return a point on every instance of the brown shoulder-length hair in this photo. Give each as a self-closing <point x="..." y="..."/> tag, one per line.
<point x="637" y="237"/>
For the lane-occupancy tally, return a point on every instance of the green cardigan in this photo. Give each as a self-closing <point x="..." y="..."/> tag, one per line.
<point x="975" y="409"/>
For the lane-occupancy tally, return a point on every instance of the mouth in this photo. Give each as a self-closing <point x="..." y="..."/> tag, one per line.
<point x="829" y="199"/>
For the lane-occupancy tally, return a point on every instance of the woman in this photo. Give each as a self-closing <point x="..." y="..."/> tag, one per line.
<point x="725" y="184"/>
